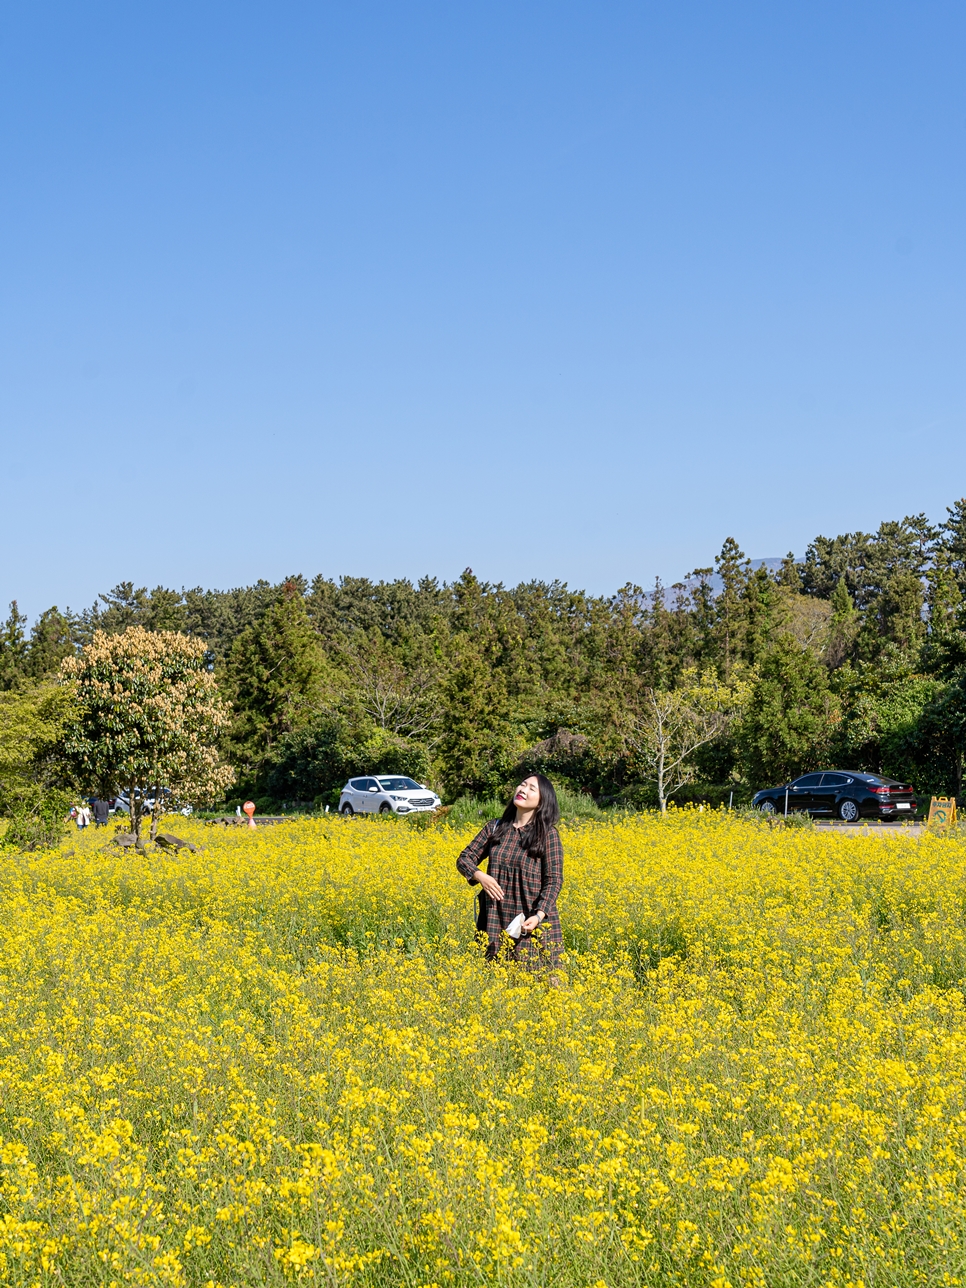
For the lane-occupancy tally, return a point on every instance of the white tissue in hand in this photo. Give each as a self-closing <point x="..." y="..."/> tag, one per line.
<point x="515" y="928"/>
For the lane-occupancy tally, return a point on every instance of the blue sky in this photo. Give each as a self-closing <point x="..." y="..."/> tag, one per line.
<point x="566" y="290"/>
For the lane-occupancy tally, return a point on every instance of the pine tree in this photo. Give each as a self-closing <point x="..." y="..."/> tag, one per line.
<point x="830" y="559"/>
<point x="763" y="612"/>
<point x="790" y="717"/>
<point x="13" y="649"/>
<point x="703" y="616"/>
<point x="660" y="647"/>
<point x="790" y="573"/>
<point x="52" y="638"/>
<point x="843" y="627"/>
<point x="731" y="604"/>
<point x="899" y="615"/>
<point x="277" y="677"/>
<point x="476" y="747"/>
<point x="952" y="543"/>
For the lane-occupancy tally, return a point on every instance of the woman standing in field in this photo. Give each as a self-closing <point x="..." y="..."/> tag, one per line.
<point x="525" y="873"/>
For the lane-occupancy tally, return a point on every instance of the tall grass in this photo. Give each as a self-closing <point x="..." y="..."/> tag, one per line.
<point x="471" y="811"/>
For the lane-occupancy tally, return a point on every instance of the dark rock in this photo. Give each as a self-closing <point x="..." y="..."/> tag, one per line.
<point x="168" y="841"/>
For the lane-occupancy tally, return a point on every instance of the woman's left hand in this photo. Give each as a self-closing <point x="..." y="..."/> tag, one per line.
<point x="532" y="923"/>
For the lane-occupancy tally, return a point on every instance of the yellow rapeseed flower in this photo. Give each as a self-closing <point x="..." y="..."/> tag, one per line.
<point x="282" y="1059"/>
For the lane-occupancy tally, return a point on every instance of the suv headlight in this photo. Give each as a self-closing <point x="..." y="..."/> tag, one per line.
<point x="396" y="798"/>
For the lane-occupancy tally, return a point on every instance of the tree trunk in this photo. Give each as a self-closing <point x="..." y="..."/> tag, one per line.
<point x="156" y="813"/>
<point x="134" y="803"/>
<point x="660" y="781"/>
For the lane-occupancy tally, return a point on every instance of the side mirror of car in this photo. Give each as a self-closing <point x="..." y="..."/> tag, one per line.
<point x="373" y="789"/>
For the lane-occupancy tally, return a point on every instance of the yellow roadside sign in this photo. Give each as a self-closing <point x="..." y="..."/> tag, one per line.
<point x="942" y="811"/>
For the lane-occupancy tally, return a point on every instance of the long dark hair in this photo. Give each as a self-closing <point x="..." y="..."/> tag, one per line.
<point x="545" y="817"/>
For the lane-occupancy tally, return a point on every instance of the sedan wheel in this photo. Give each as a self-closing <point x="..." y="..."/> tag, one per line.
<point x="768" y="807"/>
<point x="347" y="809"/>
<point x="848" y="811"/>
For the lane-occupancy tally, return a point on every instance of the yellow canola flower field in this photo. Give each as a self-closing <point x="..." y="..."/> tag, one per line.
<point x="283" y="1060"/>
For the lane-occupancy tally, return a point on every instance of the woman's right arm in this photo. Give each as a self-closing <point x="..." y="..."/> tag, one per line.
<point x="468" y="863"/>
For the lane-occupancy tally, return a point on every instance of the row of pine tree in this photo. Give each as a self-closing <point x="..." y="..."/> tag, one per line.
<point x="853" y="655"/>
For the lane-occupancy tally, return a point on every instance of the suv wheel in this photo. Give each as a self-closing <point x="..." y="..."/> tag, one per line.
<point x="347" y="809"/>
<point x="848" y="811"/>
<point x="385" y="808"/>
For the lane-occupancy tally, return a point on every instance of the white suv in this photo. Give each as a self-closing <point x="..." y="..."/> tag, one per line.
<point x="386" y="794"/>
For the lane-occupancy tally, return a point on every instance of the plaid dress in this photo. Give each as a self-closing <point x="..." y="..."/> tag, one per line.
<point x="530" y="884"/>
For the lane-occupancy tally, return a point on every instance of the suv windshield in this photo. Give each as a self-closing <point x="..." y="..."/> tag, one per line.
<point x="399" y="785"/>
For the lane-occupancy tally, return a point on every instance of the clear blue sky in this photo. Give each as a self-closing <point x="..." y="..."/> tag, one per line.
<point x="560" y="289"/>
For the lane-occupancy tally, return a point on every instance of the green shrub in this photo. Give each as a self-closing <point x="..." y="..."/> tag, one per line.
<point x="574" y="804"/>
<point x="473" y="810"/>
<point x="713" y="794"/>
<point x="470" y="810"/>
<point x="314" y="762"/>
<point x="38" y="821"/>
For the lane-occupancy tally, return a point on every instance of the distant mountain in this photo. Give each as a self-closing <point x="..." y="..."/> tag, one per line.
<point x="714" y="581"/>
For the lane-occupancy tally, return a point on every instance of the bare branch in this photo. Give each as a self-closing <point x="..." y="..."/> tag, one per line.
<point x="402" y="701"/>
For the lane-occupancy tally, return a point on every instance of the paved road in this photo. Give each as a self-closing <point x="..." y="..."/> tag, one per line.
<point x="911" y="830"/>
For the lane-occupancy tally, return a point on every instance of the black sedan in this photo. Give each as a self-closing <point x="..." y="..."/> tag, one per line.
<point x="840" y="793"/>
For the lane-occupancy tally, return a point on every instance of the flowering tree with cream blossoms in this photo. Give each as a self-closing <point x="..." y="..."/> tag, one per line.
<point x="149" y="716"/>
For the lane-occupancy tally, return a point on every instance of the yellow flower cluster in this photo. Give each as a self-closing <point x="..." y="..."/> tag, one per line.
<point x="283" y="1060"/>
